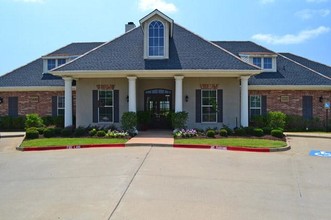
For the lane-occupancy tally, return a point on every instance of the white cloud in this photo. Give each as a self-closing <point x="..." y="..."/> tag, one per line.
<point x="146" y="5"/>
<point x="266" y="1"/>
<point x="301" y="37"/>
<point x="316" y="1"/>
<point x="309" y="13"/>
<point x="31" y="1"/>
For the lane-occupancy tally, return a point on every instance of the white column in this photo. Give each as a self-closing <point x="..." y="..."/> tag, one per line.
<point x="179" y="93"/>
<point x="244" y="101"/>
<point x="132" y="93"/>
<point x="67" y="101"/>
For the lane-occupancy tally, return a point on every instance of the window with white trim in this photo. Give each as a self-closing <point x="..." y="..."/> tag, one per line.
<point x="208" y="105"/>
<point x="267" y="63"/>
<point x="52" y="63"/>
<point x="255" y="105"/>
<point x="60" y="105"/>
<point x="264" y="63"/>
<point x="106" y="106"/>
<point x="156" y="39"/>
<point x="257" y="61"/>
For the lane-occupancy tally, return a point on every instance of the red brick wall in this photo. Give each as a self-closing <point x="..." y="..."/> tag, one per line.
<point x="32" y="102"/>
<point x="294" y="105"/>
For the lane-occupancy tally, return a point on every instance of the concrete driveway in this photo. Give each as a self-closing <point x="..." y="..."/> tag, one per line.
<point x="166" y="183"/>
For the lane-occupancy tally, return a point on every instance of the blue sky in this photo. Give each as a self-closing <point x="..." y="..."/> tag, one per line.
<point x="32" y="28"/>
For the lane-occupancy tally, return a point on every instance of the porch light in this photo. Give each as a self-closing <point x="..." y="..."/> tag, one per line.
<point x="127" y="98"/>
<point x="186" y="98"/>
<point x="321" y="99"/>
<point x="1" y="100"/>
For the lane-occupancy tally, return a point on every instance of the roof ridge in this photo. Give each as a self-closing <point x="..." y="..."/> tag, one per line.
<point x="317" y="62"/>
<point x="219" y="47"/>
<point x="314" y="71"/>
<point x="94" y="49"/>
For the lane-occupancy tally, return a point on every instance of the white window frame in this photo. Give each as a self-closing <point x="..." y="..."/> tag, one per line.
<point x="255" y="108"/>
<point x="46" y="70"/>
<point x="208" y="106"/>
<point x="273" y="63"/>
<point x="60" y="107"/>
<point x="164" y="41"/>
<point x="106" y="106"/>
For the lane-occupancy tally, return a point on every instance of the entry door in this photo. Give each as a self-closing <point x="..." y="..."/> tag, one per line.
<point x="158" y="102"/>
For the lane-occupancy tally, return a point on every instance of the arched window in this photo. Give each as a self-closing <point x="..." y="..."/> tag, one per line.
<point x="156" y="38"/>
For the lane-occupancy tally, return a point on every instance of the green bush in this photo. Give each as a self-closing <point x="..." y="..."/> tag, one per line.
<point x="6" y="122"/>
<point x="179" y="119"/>
<point x="266" y="130"/>
<point x="277" y="133"/>
<point x="67" y="131"/>
<point x="18" y="123"/>
<point x="32" y="133"/>
<point x="59" y="121"/>
<point x="41" y="130"/>
<point x="80" y="131"/>
<point x="249" y="131"/>
<point x="92" y="132"/>
<point x="259" y="121"/>
<point x="57" y="131"/>
<point x="229" y="130"/>
<point x="240" y="132"/>
<point x="276" y="120"/>
<point x="223" y="132"/>
<point x="49" y="132"/>
<point x="129" y="120"/>
<point x="33" y="120"/>
<point x="101" y="133"/>
<point x="143" y="119"/>
<point x="210" y="133"/>
<point x="258" y="132"/>
<point x="48" y="120"/>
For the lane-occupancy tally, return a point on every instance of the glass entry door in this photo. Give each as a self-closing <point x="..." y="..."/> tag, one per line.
<point x="158" y="103"/>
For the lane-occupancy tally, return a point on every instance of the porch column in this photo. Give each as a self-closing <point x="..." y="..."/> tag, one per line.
<point x="244" y="101"/>
<point x="179" y="93"/>
<point x="132" y="93"/>
<point x="67" y="101"/>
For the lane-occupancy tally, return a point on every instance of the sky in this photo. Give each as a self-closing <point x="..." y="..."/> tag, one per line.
<point x="30" y="29"/>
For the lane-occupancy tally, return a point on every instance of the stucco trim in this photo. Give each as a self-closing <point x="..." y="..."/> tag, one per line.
<point x="289" y="87"/>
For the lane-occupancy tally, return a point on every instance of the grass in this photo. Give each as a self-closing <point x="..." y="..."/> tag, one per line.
<point x="238" y="142"/>
<point x="44" y="142"/>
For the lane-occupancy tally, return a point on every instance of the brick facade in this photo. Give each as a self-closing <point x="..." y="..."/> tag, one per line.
<point x="290" y="101"/>
<point x="39" y="102"/>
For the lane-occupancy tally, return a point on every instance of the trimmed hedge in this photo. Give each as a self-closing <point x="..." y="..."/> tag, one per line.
<point x="32" y="133"/>
<point x="49" y="132"/>
<point x="210" y="133"/>
<point x="277" y="133"/>
<point x="223" y="133"/>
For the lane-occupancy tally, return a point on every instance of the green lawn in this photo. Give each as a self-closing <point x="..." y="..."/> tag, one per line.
<point x="238" y="142"/>
<point x="44" y="142"/>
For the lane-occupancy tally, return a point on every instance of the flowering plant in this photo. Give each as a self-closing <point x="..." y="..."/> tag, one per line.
<point x="185" y="133"/>
<point x="116" y="134"/>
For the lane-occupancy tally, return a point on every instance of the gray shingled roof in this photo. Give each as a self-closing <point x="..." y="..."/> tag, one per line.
<point x="288" y="72"/>
<point x="187" y="51"/>
<point x="319" y="67"/>
<point x="31" y="74"/>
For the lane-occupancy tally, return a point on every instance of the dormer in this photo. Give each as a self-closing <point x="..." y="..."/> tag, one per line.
<point x="265" y="60"/>
<point x="53" y="61"/>
<point x="157" y="29"/>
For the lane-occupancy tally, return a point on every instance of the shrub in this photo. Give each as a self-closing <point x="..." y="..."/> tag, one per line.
<point x="33" y="120"/>
<point x="259" y="121"/>
<point x="276" y="120"/>
<point x="129" y="120"/>
<point x="6" y="122"/>
<point x="277" y="133"/>
<point x="49" y="132"/>
<point x="101" y="133"/>
<point x="249" y="131"/>
<point x="210" y="133"/>
<point x="258" y="132"/>
<point x="143" y="119"/>
<point x="57" y="131"/>
<point x="240" y="131"/>
<point x="185" y="133"/>
<point x="223" y="132"/>
<point x="79" y="132"/>
<point x="18" y="123"/>
<point x="228" y="130"/>
<point x="41" y="130"/>
<point x="92" y="132"/>
<point x="266" y="130"/>
<point x="32" y="133"/>
<point x="117" y="134"/>
<point x="59" y="121"/>
<point x="48" y="120"/>
<point x="179" y="119"/>
<point x="67" y="131"/>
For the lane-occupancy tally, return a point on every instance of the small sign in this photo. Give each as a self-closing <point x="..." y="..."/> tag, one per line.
<point x="34" y="98"/>
<point x="327" y="105"/>
<point x="208" y="86"/>
<point x="284" y="98"/>
<point x="319" y="153"/>
<point x="218" y="147"/>
<point x="73" y="147"/>
<point x="106" y="87"/>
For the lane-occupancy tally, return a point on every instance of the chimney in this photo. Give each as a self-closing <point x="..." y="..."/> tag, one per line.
<point x="129" y="26"/>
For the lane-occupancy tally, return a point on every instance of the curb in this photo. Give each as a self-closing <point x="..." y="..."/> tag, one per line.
<point x="232" y="148"/>
<point x="70" y="147"/>
<point x="307" y="136"/>
<point x="147" y="144"/>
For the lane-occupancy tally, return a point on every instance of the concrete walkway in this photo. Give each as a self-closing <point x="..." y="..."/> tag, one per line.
<point x="309" y="134"/>
<point x="152" y="137"/>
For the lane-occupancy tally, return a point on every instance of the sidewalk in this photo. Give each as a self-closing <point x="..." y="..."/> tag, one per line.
<point x="309" y="134"/>
<point x="162" y="138"/>
<point x="12" y="134"/>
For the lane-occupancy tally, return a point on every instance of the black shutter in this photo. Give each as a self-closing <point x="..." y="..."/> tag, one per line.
<point x="220" y="105"/>
<point x="95" y="105"/>
<point x="54" y="106"/>
<point x="116" y="106"/>
<point x="13" y="106"/>
<point x="263" y="105"/>
<point x="307" y="107"/>
<point x="198" y="105"/>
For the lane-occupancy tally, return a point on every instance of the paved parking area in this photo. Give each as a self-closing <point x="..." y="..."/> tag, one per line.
<point x="166" y="183"/>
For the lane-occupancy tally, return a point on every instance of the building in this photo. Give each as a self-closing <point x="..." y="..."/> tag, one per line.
<point x="161" y="66"/>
